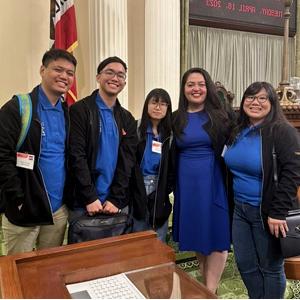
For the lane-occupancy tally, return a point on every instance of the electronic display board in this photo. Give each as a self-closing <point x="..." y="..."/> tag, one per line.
<point x="266" y="16"/>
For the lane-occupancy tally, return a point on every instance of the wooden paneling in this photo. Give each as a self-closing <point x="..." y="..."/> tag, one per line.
<point x="292" y="113"/>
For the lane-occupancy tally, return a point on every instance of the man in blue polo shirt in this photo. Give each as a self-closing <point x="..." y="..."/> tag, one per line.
<point x="32" y="180"/>
<point x="103" y="143"/>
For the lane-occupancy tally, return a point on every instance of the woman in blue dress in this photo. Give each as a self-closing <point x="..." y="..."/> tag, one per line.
<point x="201" y="217"/>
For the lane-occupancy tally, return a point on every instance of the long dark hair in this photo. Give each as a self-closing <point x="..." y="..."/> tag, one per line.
<point x="275" y="115"/>
<point x="213" y="105"/>
<point x="165" y="125"/>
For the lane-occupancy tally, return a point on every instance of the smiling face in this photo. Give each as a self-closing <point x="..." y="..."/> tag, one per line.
<point x="257" y="106"/>
<point x="195" y="92"/>
<point x="57" y="78"/>
<point x="112" y="80"/>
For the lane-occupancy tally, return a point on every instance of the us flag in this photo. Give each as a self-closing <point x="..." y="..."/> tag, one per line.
<point x="63" y="33"/>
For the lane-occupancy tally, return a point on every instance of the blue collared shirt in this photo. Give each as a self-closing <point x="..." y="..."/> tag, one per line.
<point x="108" y="149"/>
<point x="52" y="155"/>
<point x="151" y="160"/>
<point x="244" y="160"/>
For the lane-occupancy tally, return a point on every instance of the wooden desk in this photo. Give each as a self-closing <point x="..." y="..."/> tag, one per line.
<point x="292" y="267"/>
<point x="44" y="273"/>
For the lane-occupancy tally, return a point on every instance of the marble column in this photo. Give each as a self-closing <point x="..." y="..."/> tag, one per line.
<point x="107" y="36"/>
<point x="162" y="46"/>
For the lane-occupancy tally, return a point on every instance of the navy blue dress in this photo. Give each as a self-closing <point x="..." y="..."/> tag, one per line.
<point x="201" y="217"/>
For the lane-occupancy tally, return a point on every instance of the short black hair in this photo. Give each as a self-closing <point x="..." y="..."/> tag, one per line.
<point x="55" y="53"/>
<point x="111" y="59"/>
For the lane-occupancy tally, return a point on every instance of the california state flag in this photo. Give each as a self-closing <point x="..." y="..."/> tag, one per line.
<point x="63" y="33"/>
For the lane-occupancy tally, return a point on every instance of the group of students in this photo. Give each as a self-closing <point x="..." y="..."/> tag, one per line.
<point x="95" y="158"/>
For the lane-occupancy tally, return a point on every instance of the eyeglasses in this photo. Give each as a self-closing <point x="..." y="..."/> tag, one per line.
<point x="111" y="74"/>
<point x="158" y="103"/>
<point x="260" y="99"/>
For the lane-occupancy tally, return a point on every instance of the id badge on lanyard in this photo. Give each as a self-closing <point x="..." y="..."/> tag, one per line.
<point x="156" y="147"/>
<point x="25" y="160"/>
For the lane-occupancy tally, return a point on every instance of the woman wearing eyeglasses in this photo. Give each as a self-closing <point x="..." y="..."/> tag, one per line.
<point x="150" y="184"/>
<point x="201" y="217"/>
<point x="260" y="205"/>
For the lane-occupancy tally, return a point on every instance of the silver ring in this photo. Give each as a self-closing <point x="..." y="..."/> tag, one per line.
<point x="119" y="211"/>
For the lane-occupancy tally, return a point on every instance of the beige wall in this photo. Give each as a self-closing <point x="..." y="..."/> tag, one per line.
<point x="144" y="40"/>
<point x="24" y="27"/>
<point x="24" y="38"/>
<point x="24" y="32"/>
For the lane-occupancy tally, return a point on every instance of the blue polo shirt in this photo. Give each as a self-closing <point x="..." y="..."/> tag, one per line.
<point x="108" y="149"/>
<point x="244" y="160"/>
<point x="52" y="156"/>
<point x="150" y="161"/>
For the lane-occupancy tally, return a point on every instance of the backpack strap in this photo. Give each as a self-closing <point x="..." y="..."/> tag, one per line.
<point x="25" y="106"/>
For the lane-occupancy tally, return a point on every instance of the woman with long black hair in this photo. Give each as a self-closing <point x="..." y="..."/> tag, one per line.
<point x="261" y="204"/>
<point x="151" y="182"/>
<point x="201" y="215"/>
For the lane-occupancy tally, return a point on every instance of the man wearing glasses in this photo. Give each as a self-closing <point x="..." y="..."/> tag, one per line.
<point x="102" y="146"/>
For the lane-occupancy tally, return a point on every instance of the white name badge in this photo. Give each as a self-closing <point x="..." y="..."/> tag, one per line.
<point x="156" y="147"/>
<point x="25" y="160"/>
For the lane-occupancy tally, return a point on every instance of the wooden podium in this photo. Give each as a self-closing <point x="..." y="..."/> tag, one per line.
<point x="292" y="267"/>
<point x="45" y="273"/>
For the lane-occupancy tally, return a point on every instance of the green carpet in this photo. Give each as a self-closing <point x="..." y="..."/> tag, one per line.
<point x="231" y="285"/>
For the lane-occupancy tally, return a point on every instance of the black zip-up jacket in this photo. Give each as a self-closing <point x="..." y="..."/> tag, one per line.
<point x="277" y="201"/>
<point x="23" y="190"/>
<point x="84" y="144"/>
<point x="157" y="203"/>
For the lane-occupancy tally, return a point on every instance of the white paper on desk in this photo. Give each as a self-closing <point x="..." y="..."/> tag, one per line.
<point x="116" y="287"/>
